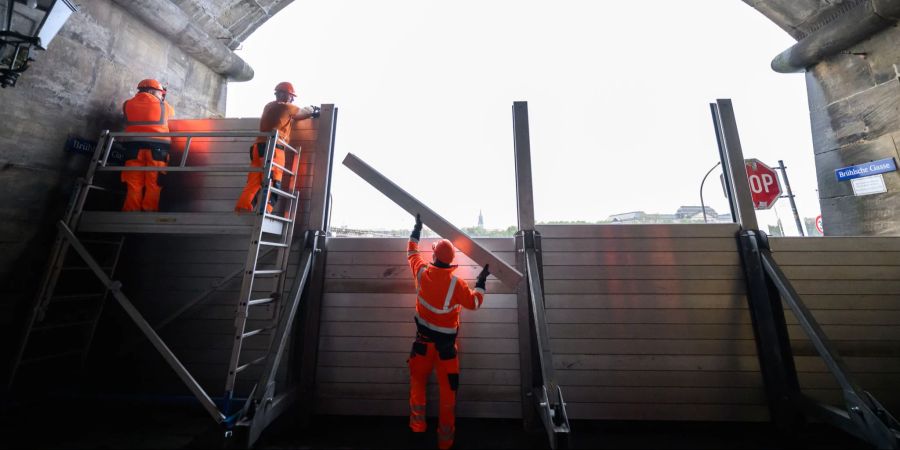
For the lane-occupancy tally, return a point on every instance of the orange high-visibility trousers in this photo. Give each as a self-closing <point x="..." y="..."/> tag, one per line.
<point x="143" y="188"/>
<point x="254" y="179"/>
<point x="424" y="358"/>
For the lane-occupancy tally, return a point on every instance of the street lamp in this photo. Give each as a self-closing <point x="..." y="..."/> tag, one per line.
<point x="27" y="24"/>
<point x="703" y="205"/>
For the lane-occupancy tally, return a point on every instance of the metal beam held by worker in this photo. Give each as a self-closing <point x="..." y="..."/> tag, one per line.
<point x="499" y="268"/>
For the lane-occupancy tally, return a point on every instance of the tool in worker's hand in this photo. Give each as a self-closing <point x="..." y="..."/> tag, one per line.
<point x="315" y="111"/>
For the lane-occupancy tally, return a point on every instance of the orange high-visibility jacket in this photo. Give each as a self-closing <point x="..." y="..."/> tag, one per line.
<point x="144" y="113"/>
<point x="439" y="293"/>
<point x="278" y="116"/>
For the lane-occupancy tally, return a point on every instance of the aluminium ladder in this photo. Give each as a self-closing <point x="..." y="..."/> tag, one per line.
<point x="253" y="268"/>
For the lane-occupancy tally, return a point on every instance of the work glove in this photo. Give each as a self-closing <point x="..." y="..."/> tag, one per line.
<point x="417" y="229"/>
<point x="482" y="277"/>
<point x="315" y="111"/>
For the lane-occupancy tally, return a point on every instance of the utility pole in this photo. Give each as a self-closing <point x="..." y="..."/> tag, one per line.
<point x="790" y="196"/>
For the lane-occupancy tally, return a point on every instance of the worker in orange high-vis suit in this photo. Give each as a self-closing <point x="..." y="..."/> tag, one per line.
<point x="278" y="115"/>
<point x="439" y="296"/>
<point x="146" y="112"/>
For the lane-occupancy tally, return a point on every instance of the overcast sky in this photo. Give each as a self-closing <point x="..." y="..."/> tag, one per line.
<point x="618" y="95"/>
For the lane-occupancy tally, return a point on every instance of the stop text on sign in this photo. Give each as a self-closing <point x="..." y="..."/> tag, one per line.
<point x="765" y="188"/>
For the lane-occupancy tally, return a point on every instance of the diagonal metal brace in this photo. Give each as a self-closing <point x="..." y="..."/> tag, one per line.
<point x="549" y="398"/>
<point x="115" y="288"/>
<point x="864" y="416"/>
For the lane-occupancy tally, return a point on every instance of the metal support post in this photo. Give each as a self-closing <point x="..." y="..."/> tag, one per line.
<point x="306" y="341"/>
<point x="717" y="126"/>
<point x="733" y="164"/>
<point x="790" y="195"/>
<point x="773" y="346"/>
<point x="525" y="209"/>
<point x="769" y="328"/>
<point x="539" y="385"/>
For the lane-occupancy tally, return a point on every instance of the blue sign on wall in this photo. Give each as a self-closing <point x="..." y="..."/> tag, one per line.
<point x="79" y="145"/>
<point x="865" y="170"/>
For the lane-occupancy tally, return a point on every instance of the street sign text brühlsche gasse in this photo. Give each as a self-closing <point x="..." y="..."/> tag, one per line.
<point x="866" y="170"/>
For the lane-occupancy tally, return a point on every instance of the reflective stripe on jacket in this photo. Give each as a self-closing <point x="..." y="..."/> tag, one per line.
<point x="144" y="113"/>
<point x="439" y="293"/>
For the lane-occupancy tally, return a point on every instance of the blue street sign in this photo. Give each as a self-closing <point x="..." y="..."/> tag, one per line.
<point x="79" y="145"/>
<point x="866" y="170"/>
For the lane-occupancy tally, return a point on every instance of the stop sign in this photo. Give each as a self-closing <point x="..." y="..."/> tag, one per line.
<point x="764" y="186"/>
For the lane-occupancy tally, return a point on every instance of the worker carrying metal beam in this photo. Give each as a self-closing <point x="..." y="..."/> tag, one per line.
<point x="146" y="112"/>
<point x="439" y="296"/>
<point x="278" y="115"/>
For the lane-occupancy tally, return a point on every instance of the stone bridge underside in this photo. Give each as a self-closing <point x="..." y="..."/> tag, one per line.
<point x="848" y="50"/>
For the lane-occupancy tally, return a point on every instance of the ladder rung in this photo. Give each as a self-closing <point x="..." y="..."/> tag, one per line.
<point x="260" y="301"/>
<point x="37" y="359"/>
<point x="253" y="333"/>
<point x="255" y="361"/>
<point x="273" y="244"/>
<point x="274" y="217"/>
<point x="282" y="193"/>
<point x="268" y="272"/>
<point x="62" y="325"/>
<point x="288" y="171"/>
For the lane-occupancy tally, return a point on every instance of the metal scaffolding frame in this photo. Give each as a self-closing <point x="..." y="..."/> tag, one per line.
<point x="263" y="404"/>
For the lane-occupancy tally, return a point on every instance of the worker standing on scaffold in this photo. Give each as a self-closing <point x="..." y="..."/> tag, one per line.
<point x="278" y="115"/>
<point x="439" y="296"/>
<point x="146" y="112"/>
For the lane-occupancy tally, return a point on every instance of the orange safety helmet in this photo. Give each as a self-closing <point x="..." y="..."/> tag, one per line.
<point x="150" y="84"/>
<point x="444" y="251"/>
<point x="286" y="87"/>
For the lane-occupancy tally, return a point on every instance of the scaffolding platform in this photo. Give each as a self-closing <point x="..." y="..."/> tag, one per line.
<point x="205" y="223"/>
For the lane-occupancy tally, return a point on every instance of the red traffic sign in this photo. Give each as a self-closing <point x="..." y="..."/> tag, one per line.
<point x="765" y="188"/>
<point x="819" y="224"/>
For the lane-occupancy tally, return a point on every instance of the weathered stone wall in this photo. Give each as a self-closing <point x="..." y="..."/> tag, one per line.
<point x="77" y="87"/>
<point x="854" y="104"/>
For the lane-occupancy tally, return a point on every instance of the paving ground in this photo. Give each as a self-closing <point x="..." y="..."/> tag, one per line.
<point x="136" y="424"/>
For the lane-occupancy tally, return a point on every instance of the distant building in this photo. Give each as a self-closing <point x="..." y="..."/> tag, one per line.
<point x="629" y="217"/>
<point x="480" y="220"/>
<point x="684" y="214"/>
